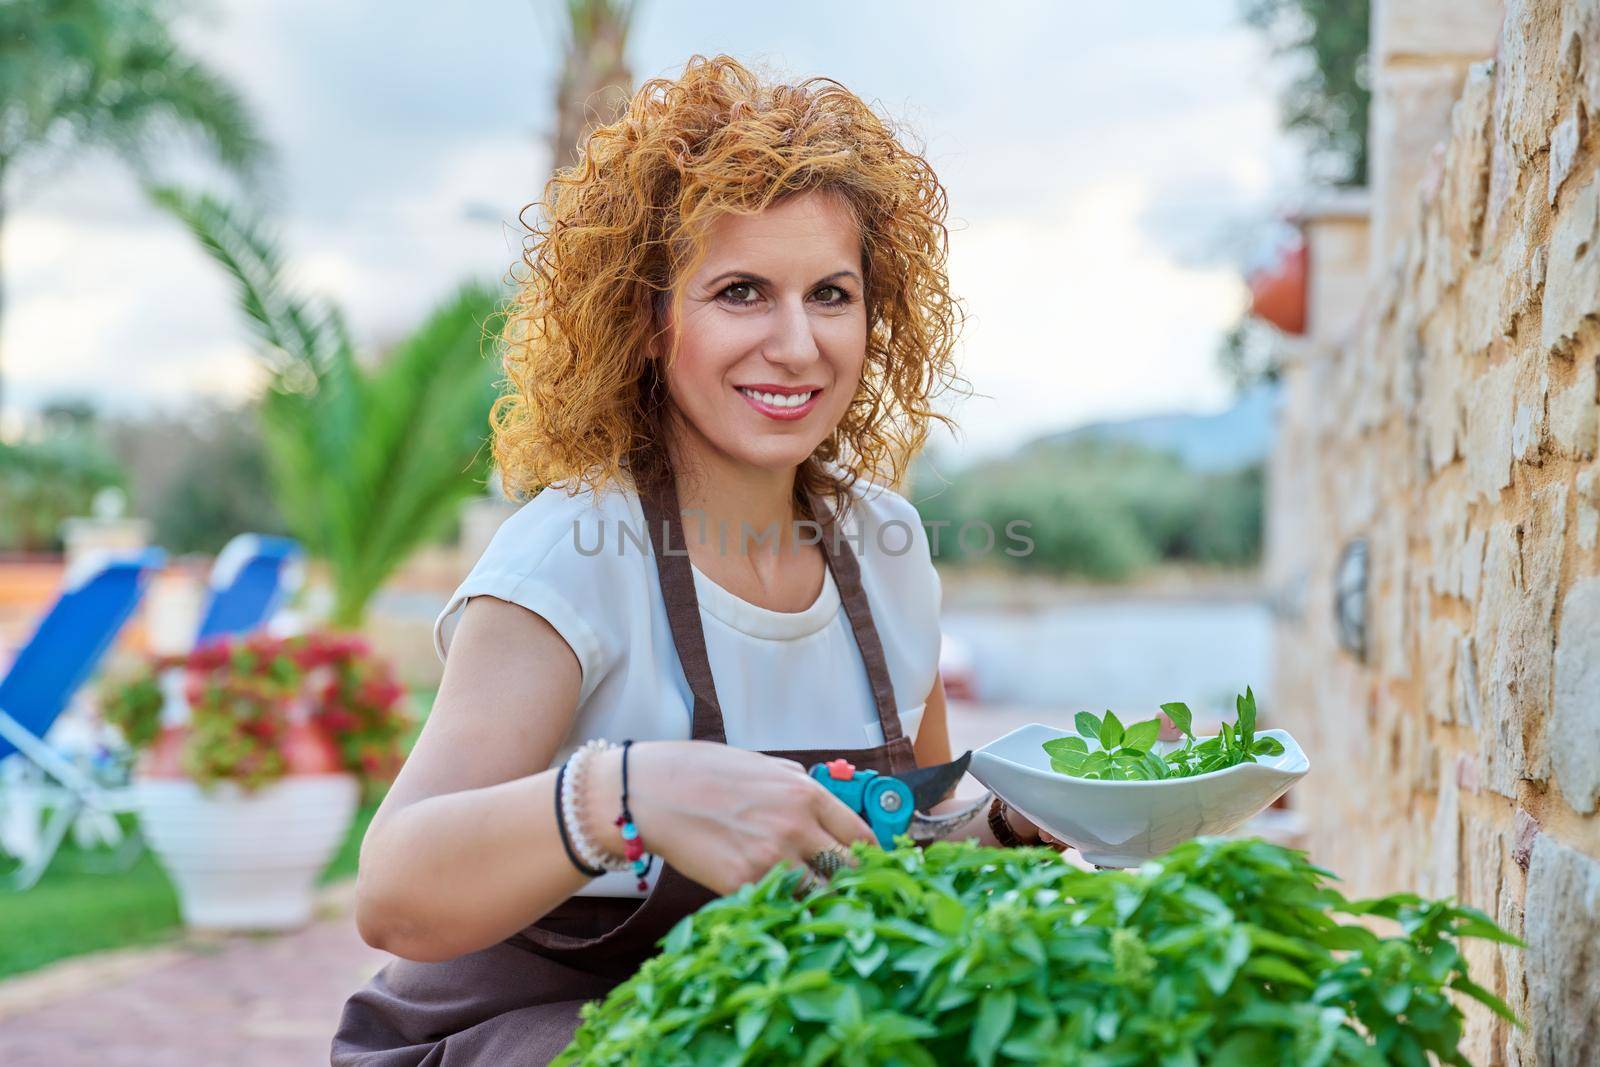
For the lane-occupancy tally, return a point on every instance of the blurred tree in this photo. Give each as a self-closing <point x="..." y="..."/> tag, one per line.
<point x="199" y="474"/>
<point x="108" y="74"/>
<point x="1327" y="99"/>
<point x="366" y="463"/>
<point x="51" y="475"/>
<point x="595" y="80"/>
<point x="1250" y="354"/>
<point x="1101" y="509"/>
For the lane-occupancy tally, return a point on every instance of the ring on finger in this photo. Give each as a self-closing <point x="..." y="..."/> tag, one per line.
<point x="827" y="861"/>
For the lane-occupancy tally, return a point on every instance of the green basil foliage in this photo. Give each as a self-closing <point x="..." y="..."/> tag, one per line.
<point x="1222" y="952"/>
<point x="1126" y="754"/>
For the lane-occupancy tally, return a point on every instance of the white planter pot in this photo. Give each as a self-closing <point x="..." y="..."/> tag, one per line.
<point x="243" y="860"/>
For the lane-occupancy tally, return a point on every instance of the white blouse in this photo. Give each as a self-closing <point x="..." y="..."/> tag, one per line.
<point x="785" y="680"/>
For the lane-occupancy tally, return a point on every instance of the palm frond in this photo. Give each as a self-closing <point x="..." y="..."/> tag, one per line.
<point x="304" y="336"/>
<point x="366" y="464"/>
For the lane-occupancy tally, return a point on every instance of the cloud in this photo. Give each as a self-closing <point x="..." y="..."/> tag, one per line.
<point x="1082" y="318"/>
<point x="1096" y="158"/>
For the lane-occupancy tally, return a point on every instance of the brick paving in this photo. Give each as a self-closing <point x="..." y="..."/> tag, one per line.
<point x="245" y="1001"/>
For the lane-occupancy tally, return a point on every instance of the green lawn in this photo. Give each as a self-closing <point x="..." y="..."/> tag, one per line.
<point x="75" y="909"/>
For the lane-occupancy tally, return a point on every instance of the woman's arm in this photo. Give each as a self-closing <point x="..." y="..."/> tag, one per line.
<point x="933" y="747"/>
<point x="465" y="849"/>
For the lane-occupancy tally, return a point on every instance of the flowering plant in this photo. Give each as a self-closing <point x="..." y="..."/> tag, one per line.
<point x="264" y="706"/>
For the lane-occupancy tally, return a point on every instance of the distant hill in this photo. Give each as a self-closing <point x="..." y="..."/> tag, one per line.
<point x="1234" y="438"/>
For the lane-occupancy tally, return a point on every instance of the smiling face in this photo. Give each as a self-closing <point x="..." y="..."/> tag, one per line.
<point x="772" y="333"/>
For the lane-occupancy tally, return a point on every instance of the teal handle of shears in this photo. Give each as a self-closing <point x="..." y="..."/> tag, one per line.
<point x="883" y="801"/>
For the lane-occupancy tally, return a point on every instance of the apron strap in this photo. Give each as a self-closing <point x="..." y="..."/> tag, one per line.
<point x="664" y="524"/>
<point x="847" y="577"/>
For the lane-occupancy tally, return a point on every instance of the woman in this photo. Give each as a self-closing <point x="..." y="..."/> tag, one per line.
<point x="737" y="306"/>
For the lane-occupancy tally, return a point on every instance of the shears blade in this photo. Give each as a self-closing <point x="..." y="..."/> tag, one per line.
<point x="929" y="785"/>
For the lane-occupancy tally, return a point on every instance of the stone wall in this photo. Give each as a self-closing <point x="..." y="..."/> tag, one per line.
<point x="1453" y="428"/>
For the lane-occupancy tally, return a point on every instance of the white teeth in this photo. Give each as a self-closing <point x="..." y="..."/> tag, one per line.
<point x="777" y="400"/>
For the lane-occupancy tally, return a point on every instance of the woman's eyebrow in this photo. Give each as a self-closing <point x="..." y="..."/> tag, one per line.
<point x="759" y="280"/>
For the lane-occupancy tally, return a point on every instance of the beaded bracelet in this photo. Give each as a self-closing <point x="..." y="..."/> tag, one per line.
<point x="577" y="765"/>
<point x="630" y="833"/>
<point x="561" y="825"/>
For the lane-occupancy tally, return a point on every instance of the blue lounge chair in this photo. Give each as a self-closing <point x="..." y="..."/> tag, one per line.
<point x="250" y="579"/>
<point x="97" y="598"/>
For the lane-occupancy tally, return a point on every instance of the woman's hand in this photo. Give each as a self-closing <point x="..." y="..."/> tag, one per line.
<point x="721" y="815"/>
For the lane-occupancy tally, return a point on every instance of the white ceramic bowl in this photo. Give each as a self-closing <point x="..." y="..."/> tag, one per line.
<point x="1122" y="824"/>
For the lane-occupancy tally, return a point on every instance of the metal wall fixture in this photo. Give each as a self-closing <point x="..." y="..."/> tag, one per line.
<point x="1350" y="599"/>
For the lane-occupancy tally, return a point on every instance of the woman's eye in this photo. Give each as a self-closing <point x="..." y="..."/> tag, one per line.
<point x="736" y="293"/>
<point x="839" y="295"/>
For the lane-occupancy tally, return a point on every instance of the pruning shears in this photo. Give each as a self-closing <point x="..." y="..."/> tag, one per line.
<point x="897" y="804"/>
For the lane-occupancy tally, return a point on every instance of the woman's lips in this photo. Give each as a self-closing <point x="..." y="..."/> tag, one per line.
<point x="781" y="413"/>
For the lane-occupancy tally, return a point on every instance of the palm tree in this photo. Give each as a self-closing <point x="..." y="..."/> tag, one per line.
<point x="366" y="463"/>
<point x="81" y="74"/>
<point x="595" y="79"/>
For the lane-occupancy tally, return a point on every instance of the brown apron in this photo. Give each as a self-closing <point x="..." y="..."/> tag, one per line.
<point x="517" y="1002"/>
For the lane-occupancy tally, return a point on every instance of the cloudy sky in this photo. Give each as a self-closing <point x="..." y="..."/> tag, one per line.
<point x="1107" y="164"/>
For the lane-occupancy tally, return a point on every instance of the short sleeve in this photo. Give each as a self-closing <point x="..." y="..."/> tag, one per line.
<point x="538" y="560"/>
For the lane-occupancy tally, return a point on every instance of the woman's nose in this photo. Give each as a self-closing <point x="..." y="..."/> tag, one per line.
<point x="792" y="342"/>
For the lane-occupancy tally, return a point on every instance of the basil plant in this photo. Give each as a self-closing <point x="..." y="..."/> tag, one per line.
<point x="1222" y="952"/>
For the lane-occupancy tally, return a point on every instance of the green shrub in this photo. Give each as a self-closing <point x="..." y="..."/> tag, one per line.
<point x="44" y="482"/>
<point x="1223" y="952"/>
<point x="1102" y="509"/>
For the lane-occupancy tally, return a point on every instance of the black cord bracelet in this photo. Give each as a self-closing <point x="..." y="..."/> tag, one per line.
<point x="626" y="818"/>
<point x="561" y="825"/>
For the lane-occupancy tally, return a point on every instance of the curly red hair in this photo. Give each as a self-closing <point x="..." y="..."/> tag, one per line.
<point x="583" y="398"/>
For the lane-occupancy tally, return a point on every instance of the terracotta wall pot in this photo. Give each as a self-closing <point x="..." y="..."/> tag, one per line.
<point x="243" y="860"/>
<point x="1278" y="295"/>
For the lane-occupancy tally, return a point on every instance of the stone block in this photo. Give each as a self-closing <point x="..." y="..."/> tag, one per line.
<point x="1580" y="49"/>
<point x="1564" y="145"/>
<point x="1588" y="498"/>
<point x="1574" y="724"/>
<point x="1472" y="563"/>
<point x="1572" y="275"/>
<point x="1527" y="422"/>
<point x="1447" y="529"/>
<point x="1522" y="279"/>
<point x="1389" y="638"/>
<point x="1575" y="412"/>
<point x="1444" y="861"/>
<point x="1489" y="420"/>
<point x="1513" y="963"/>
<point x="1483" y="852"/>
<point x="1441" y="639"/>
<point x="1480" y="318"/>
<point x="1521" y="573"/>
<point x="1411" y="109"/>
<point x="1562" y="923"/>
<point x="1528" y="77"/>
<point x="1524" y="832"/>
<point x="1466" y="161"/>
<point x="1469" y="703"/>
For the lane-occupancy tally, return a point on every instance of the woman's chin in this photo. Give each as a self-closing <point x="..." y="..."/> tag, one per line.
<point x="775" y="456"/>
